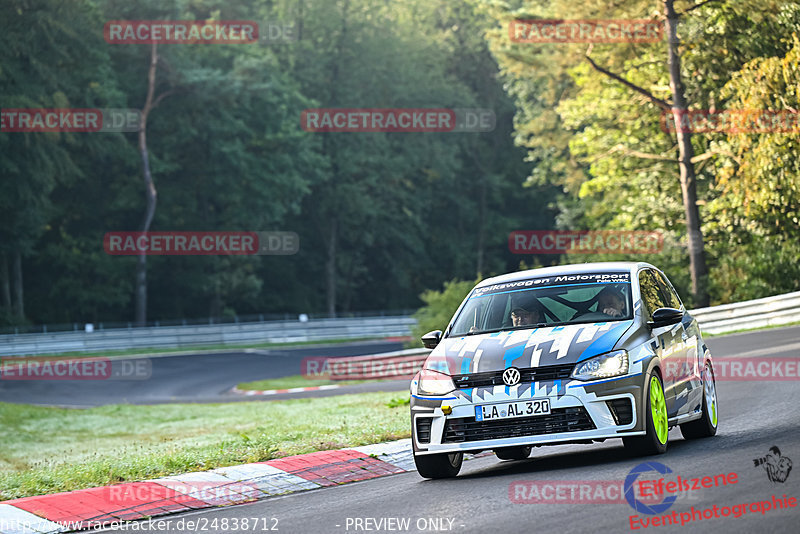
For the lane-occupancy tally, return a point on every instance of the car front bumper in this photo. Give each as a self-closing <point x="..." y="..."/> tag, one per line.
<point x="580" y="411"/>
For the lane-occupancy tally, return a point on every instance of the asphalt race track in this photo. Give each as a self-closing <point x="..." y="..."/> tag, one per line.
<point x="195" y="378"/>
<point x="754" y="416"/>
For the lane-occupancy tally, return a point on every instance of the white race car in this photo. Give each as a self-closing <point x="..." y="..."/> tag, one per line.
<point x="568" y="354"/>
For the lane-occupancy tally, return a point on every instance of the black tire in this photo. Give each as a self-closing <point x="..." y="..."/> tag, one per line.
<point x="706" y="426"/>
<point x="513" y="453"/>
<point x="445" y="465"/>
<point x="649" y="444"/>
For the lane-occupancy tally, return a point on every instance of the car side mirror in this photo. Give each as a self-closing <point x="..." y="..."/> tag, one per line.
<point x="665" y="317"/>
<point x="431" y="339"/>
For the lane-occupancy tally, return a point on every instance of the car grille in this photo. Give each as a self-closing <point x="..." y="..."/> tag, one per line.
<point x="560" y="420"/>
<point x="424" y="429"/>
<point x="529" y="374"/>
<point x="622" y="410"/>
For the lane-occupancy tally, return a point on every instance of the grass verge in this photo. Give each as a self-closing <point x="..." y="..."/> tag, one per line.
<point x="47" y="450"/>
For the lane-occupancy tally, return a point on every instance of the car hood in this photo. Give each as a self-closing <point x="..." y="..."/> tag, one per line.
<point x="554" y="345"/>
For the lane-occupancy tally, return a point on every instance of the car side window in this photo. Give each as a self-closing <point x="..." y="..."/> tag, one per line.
<point x="651" y="295"/>
<point x="666" y="289"/>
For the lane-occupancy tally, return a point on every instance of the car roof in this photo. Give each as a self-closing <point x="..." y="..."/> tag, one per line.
<point x="561" y="270"/>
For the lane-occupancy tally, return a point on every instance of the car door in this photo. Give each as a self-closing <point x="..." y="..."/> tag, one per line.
<point x="688" y="385"/>
<point x="669" y="345"/>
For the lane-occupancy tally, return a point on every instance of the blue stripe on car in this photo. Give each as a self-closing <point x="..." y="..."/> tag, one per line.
<point x="605" y="342"/>
<point x="513" y="353"/>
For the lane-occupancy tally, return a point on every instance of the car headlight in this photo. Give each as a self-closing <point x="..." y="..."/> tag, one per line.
<point x="603" y="366"/>
<point x="434" y="383"/>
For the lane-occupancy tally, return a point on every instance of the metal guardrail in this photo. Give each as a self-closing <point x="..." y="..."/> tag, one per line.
<point x="236" y="319"/>
<point x="769" y="311"/>
<point x="199" y="335"/>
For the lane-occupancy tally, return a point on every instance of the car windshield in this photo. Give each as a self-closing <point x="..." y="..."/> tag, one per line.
<point x="545" y="302"/>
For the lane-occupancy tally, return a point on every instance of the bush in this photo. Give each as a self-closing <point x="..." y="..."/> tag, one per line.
<point x="765" y="267"/>
<point x="439" y="307"/>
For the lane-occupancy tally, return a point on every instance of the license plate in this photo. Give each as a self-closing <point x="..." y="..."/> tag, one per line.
<point x="508" y="410"/>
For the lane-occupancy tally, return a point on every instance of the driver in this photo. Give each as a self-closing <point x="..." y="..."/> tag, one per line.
<point x="611" y="302"/>
<point x="525" y="314"/>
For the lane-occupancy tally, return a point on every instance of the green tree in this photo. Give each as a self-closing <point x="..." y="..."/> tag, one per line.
<point x="47" y="61"/>
<point x="439" y="307"/>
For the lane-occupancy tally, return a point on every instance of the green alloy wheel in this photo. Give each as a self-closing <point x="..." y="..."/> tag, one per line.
<point x="656" y="425"/>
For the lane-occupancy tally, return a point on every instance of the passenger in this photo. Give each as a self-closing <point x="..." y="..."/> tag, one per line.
<point x="611" y="301"/>
<point x="525" y="314"/>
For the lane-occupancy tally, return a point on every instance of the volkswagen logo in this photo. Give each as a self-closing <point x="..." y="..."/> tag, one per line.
<point x="511" y="376"/>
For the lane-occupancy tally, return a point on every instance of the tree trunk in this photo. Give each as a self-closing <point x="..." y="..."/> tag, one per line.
<point x="215" y="309"/>
<point x="481" y="226"/>
<point x="5" y="285"/>
<point x="16" y="273"/>
<point x="329" y="148"/>
<point x="150" y="193"/>
<point x="697" y="258"/>
<point x="330" y="269"/>
<point x="347" y="298"/>
<point x="301" y="15"/>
